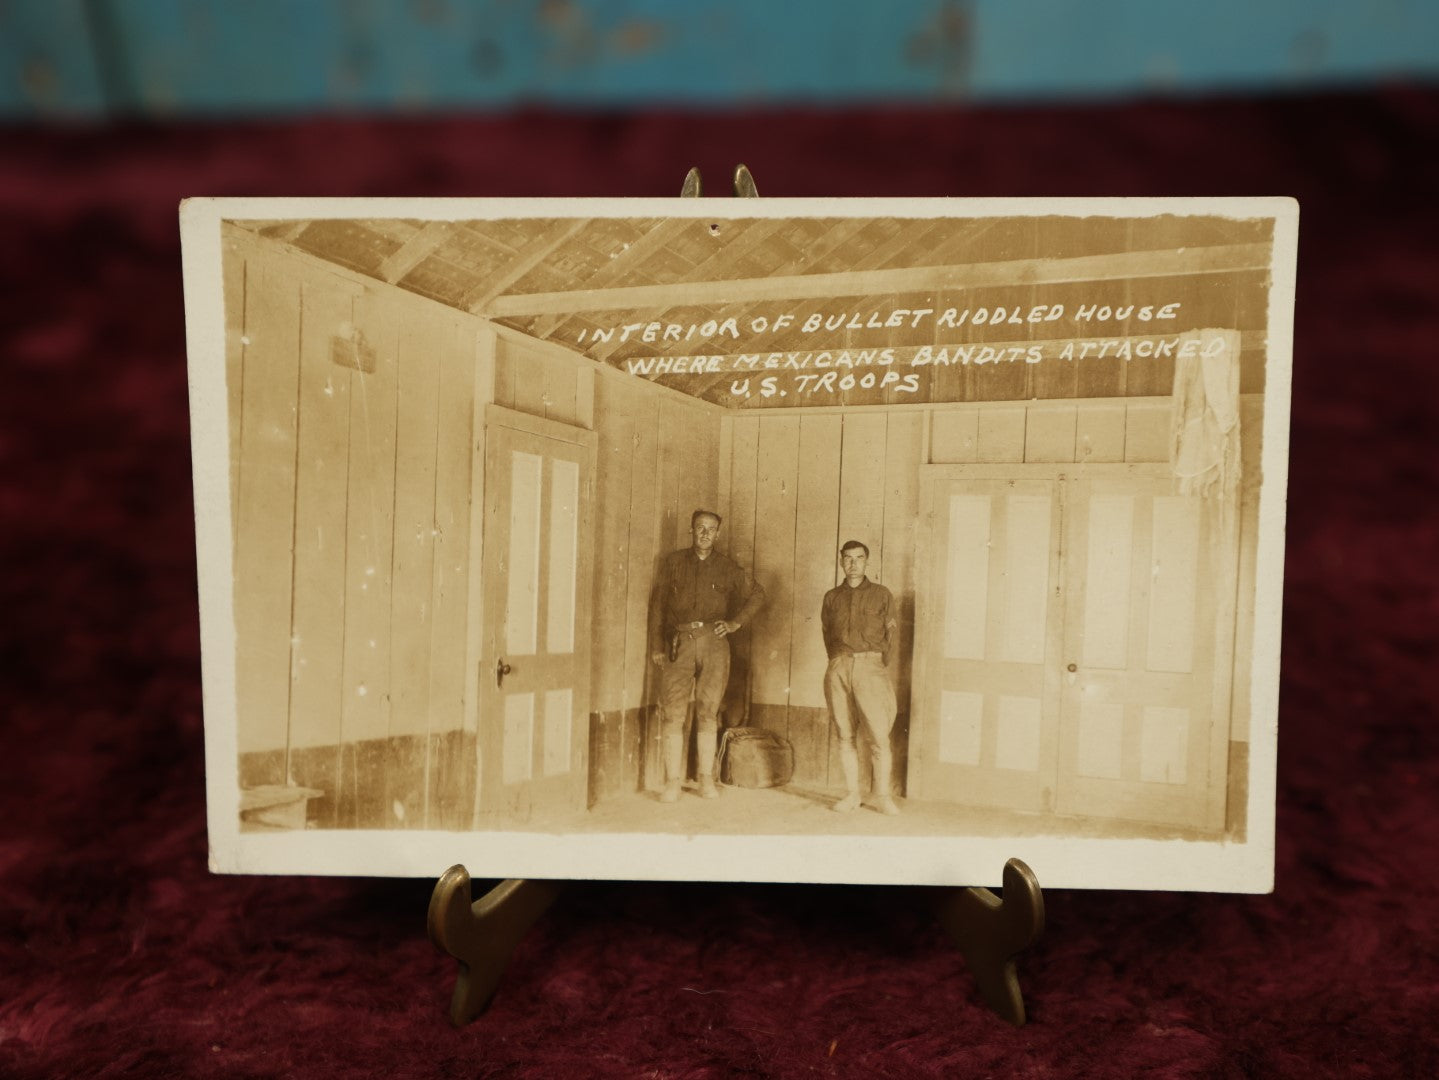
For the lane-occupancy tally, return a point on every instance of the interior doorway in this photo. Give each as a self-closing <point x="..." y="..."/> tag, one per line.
<point x="535" y="661"/>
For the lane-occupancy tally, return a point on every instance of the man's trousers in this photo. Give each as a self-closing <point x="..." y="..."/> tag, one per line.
<point x="701" y="668"/>
<point x="859" y="682"/>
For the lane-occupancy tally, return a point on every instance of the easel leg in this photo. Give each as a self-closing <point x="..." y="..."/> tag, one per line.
<point x="991" y="932"/>
<point x="482" y="935"/>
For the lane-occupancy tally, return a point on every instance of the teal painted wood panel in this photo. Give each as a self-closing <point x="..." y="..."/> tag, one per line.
<point x="47" y="61"/>
<point x="1048" y="48"/>
<point x="164" y="57"/>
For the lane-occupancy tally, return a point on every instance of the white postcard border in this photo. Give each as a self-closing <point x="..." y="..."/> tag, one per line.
<point x="1058" y="862"/>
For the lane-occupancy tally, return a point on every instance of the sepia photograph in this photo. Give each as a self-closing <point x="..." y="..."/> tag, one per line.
<point x="869" y="541"/>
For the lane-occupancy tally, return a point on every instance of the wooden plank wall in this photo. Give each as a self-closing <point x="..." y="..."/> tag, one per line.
<point x="658" y="461"/>
<point x="543" y="380"/>
<point x="351" y="413"/>
<point x="801" y="482"/>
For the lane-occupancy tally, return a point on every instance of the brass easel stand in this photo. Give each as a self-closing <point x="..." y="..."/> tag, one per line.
<point x="989" y="931"/>
<point x="482" y="935"/>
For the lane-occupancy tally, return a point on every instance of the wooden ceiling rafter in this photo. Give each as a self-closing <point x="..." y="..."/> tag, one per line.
<point x="756" y="234"/>
<point x="752" y="238"/>
<point x="622" y="265"/>
<point x="759" y="231"/>
<point x="440" y="277"/>
<point x="288" y="232"/>
<point x="792" y="340"/>
<point x="464" y="265"/>
<point x="1037" y="271"/>
<point x="472" y="252"/>
<point x="592" y="250"/>
<point x="483" y="292"/>
<point x="419" y="247"/>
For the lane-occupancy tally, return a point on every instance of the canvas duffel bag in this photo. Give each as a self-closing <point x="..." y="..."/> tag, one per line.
<point x="754" y="757"/>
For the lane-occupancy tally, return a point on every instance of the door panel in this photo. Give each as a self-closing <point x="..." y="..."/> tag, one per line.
<point x="967" y="574"/>
<point x="994" y="548"/>
<point x="1108" y="573"/>
<point x="522" y="563"/>
<point x="1142" y="731"/>
<point x="518" y="738"/>
<point x="534" y="668"/>
<point x="559" y="730"/>
<point x="1172" y="597"/>
<point x="563" y="556"/>
<point x="961" y="724"/>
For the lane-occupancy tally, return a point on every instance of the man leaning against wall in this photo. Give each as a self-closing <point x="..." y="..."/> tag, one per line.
<point x="857" y="618"/>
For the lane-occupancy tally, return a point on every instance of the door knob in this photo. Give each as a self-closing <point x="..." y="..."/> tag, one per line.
<point x="501" y="670"/>
<point x="1073" y="667"/>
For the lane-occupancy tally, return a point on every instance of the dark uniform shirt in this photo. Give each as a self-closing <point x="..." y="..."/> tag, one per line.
<point x="857" y="619"/>
<point x="690" y="589"/>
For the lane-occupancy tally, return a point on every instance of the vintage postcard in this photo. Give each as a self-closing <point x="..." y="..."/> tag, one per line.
<point x="742" y="539"/>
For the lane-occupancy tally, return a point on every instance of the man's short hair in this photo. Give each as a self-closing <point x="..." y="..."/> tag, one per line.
<point x="855" y="544"/>
<point x="695" y="517"/>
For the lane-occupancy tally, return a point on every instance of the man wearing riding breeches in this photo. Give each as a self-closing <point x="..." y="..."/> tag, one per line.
<point x="700" y="598"/>
<point x="858" y="621"/>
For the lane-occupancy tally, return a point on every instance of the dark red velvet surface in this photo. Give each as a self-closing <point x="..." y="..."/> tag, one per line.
<point x="121" y="955"/>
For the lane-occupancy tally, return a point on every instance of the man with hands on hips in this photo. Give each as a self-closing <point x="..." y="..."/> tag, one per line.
<point x="700" y="598"/>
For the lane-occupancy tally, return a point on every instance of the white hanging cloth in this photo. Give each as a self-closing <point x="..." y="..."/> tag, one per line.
<point x="1204" y="449"/>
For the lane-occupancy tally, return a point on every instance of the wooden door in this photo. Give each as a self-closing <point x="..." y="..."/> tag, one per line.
<point x="1148" y="646"/>
<point x="1076" y="643"/>
<point x="986" y="689"/>
<point x="535" y="663"/>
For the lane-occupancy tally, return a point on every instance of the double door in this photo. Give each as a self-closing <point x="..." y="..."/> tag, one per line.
<point x="1076" y="643"/>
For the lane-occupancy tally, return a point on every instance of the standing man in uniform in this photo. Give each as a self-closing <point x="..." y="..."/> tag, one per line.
<point x="700" y="598"/>
<point x="858" y="620"/>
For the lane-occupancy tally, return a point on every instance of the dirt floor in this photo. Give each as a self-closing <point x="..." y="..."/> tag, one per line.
<point x="796" y="810"/>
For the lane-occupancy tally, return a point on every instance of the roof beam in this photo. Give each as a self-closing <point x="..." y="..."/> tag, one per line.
<point x="758" y="233"/>
<point x="479" y="300"/>
<point x="1173" y="262"/>
<point x="419" y="247"/>
<point x="289" y="233"/>
<point x="660" y="235"/>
